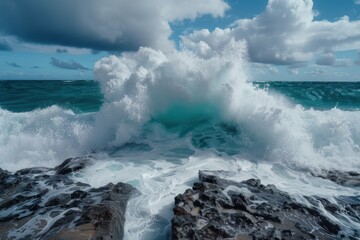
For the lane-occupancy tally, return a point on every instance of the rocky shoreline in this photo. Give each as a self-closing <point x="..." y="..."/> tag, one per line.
<point x="45" y="203"/>
<point x="216" y="208"/>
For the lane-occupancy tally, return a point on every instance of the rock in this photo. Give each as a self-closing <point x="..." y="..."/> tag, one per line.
<point x="72" y="165"/>
<point x="348" y="179"/>
<point x="44" y="203"/>
<point x="3" y="175"/>
<point x="221" y="209"/>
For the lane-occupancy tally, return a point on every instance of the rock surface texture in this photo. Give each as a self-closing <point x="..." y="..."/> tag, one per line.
<point x="216" y="208"/>
<point x="44" y="203"/>
<point x="348" y="179"/>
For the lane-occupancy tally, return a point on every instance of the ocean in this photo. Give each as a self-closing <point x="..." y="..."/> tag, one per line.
<point x="157" y="125"/>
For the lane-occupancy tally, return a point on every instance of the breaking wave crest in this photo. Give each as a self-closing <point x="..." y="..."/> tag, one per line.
<point x="182" y="89"/>
<point x="186" y="94"/>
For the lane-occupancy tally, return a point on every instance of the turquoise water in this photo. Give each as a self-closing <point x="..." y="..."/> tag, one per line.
<point x="201" y="121"/>
<point x="86" y="96"/>
<point x="159" y="139"/>
<point x="23" y="96"/>
<point x="318" y="95"/>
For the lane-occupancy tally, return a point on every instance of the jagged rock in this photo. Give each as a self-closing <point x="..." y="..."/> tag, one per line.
<point x="72" y="165"/>
<point x="44" y="203"/>
<point x="216" y="208"/>
<point x="348" y="179"/>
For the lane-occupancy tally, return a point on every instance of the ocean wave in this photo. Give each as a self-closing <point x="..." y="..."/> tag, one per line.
<point x="41" y="137"/>
<point x="208" y="100"/>
<point x="182" y="86"/>
<point x="167" y="116"/>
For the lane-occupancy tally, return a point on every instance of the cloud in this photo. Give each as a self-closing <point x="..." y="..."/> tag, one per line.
<point x="61" y="50"/>
<point x="357" y="2"/>
<point x="71" y="65"/>
<point x="12" y="64"/>
<point x="285" y="33"/>
<point x="273" y="70"/>
<point x="357" y="62"/>
<point x="111" y="25"/>
<point x="343" y="63"/>
<point x="5" y="46"/>
<point x="265" y="68"/>
<point x="293" y="71"/>
<point x="189" y="9"/>
<point x="95" y="52"/>
<point x="316" y="72"/>
<point x="327" y="59"/>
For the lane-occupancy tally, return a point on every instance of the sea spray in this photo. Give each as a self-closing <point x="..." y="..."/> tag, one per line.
<point x="148" y="85"/>
<point x="41" y="137"/>
<point x="168" y="115"/>
<point x="179" y="91"/>
<point x="235" y="122"/>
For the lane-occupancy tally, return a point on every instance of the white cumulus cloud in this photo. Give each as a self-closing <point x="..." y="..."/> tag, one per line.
<point x="284" y="33"/>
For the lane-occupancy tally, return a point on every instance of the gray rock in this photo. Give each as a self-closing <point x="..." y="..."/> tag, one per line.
<point x="348" y="179"/>
<point x="216" y="208"/>
<point x="43" y="203"/>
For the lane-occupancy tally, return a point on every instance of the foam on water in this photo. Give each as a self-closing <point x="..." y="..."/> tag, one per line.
<point x="181" y="90"/>
<point x="160" y="179"/>
<point x="266" y="129"/>
<point x="41" y="137"/>
<point x="167" y="116"/>
<point x="148" y="85"/>
<point x="318" y="95"/>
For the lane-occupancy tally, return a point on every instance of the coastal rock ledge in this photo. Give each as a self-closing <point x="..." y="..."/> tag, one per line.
<point x="45" y="203"/>
<point x="216" y="208"/>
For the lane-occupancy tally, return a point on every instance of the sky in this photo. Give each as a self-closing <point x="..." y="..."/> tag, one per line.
<point x="288" y="40"/>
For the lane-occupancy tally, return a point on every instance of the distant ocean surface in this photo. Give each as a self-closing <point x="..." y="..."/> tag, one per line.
<point x="279" y="132"/>
<point x="27" y="95"/>
<point x="86" y="96"/>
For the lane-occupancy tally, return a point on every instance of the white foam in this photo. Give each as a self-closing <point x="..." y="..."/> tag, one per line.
<point x="276" y="138"/>
<point x="140" y="86"/>
<point x="276" y="133"/>
<point x="147" y="84"/>
<point x="41" y="138"/>
<point x="160" y="180"/>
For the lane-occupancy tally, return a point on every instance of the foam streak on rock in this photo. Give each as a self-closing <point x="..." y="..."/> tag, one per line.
<point x="43" y="203"/>
<point x="216" y="208"/>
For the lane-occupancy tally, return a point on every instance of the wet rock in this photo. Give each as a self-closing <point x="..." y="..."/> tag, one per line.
<point x="72" y="165"/>
<point x="348" y="179"/>
<point x="44" y="203"/>
<point x="221" y="209"/>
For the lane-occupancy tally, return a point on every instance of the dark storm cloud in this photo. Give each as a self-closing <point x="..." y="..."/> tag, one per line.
<point x="71" y="65"/>
<point x="110" y="25"/>
<point x="15" y="65"/>
<point x="61" y="50"/>
<point x="4" y="46"/>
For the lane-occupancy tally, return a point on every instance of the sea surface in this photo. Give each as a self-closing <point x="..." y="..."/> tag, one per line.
<point x="279" y="132"/>
<point x="85" y="95"/>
